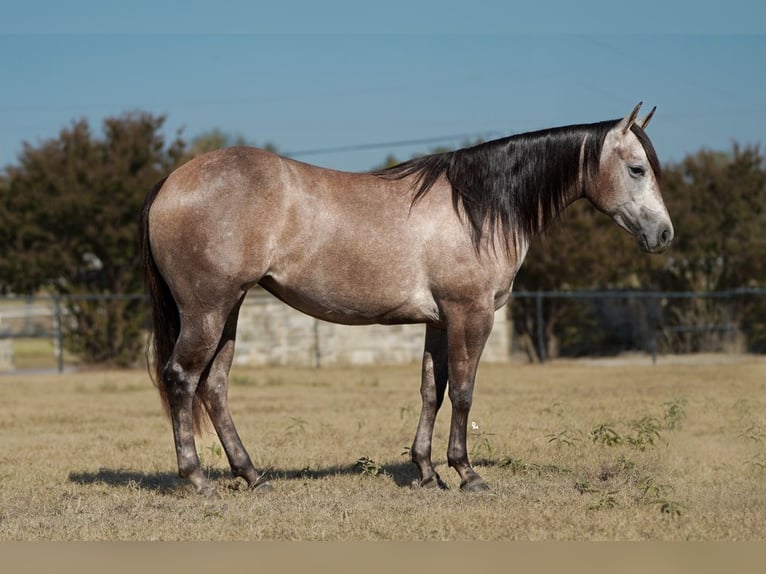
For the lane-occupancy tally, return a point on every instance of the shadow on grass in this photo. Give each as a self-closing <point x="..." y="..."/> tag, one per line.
<point x="403" y="474"/>
<point x="164" y="482"/>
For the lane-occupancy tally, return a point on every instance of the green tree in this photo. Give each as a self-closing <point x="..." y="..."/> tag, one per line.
<point x="718" y="204"/>
<point x="216" y="139"/>
<point x="68" y="215"/>
<point x="584" y="249"/>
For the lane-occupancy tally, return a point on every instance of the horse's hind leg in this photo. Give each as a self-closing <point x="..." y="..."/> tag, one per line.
<point x="213" y="391"/>
<point x="196" y="346"/>
<point x="432" y="387"/>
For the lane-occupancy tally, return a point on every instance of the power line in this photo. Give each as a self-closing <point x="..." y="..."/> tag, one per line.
<point x="399" y="143"/>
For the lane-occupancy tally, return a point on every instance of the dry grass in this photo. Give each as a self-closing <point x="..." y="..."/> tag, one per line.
<point x="88" y="456"/>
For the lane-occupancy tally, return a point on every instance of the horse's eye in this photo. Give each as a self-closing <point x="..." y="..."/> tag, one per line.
<point x="636" y="170"/>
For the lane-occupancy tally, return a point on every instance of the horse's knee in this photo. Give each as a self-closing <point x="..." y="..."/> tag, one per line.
<point x="461" y="399"/>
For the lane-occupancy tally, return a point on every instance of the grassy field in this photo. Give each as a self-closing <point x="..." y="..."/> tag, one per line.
<point x="572" y="451"/>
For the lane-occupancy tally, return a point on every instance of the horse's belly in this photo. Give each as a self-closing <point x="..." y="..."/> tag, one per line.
<point x="358" y="305"/>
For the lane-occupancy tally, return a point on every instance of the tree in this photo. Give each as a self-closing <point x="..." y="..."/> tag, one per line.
<point x="216" y="139"/>
<point x="68" y="215"/>
<point x="718" y="202"/>
<point x="584" y="249"/>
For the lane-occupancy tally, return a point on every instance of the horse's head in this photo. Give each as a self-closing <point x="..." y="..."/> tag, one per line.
<point x="627" y="184"/>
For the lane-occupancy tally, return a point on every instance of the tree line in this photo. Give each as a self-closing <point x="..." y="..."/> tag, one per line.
<point x="68" y="226"/>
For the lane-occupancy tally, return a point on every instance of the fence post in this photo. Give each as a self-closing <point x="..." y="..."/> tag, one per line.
<point x="58" y="347"/>
<point x="540" y="326"/>
<point x="317" y="350"/>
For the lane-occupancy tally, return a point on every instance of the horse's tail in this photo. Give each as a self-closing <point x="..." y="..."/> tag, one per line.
<point x="166" y="322"/>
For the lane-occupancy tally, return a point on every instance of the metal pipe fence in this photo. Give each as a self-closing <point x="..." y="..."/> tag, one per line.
<point x="603" y="322"/>
<point x="544" y="324"/>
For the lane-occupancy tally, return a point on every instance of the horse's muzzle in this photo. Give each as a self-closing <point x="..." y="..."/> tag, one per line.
<point x="658" y="241"/>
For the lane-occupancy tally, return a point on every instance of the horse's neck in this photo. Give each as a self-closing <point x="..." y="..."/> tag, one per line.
<point x="574" y="192"/>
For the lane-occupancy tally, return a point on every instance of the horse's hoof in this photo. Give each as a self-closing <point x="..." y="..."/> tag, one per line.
<point x="474" y="485"/>
<point x="262" y="487"/>
<point x="430" y="483"/>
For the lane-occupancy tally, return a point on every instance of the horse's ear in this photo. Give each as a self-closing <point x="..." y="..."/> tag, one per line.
<point x="645" y="122"/>
<point x="630" y="119"/>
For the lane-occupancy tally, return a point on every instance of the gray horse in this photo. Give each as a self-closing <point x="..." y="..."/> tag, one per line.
<point x="436" y="240"/>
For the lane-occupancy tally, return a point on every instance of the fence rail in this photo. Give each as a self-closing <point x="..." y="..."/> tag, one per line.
<point x="663" y="314"/>
<point x="543" y="324"/>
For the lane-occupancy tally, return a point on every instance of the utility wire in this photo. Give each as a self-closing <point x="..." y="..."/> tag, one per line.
<point x="400" y="143"/>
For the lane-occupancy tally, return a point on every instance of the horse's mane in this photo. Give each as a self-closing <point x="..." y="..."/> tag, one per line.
<point x="520" y="183"/>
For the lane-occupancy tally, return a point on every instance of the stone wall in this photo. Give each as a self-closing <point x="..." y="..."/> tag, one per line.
<point x="271" y="333"/>
<point x="6" y="355"/>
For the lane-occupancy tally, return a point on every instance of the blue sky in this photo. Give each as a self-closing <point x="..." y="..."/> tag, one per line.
<point x="323" y="75"/>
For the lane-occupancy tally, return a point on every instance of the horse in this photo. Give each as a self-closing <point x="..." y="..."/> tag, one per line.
<point x="435" y="240"/>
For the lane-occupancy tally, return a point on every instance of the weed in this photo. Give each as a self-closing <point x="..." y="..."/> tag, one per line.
<point x="675" y="412"/>
<point x="369" y="467"/>
<point x="605" y="434"/>
<point x="298" y="425"/>
<point x="626" y="464"/>
<point x="610" y="471"/>
<point x="605" y="501"/>
<point x="584" y="487"/>
<point x="670" y="507"/>
<point x="517" y="466"/>
<point x="757" y="461"/>
<point x="405" y="451"/>
<point x="606" y="498"/>
<point x="755" y="432"/>
<point x="550" y="469"/>
<point x="210" y="512"/>
<point x="647" y="431"/>
<point x="652" y="489"/>
<point x="622" y="467"/>
<point x="482" y="444"/>
<point x="567" y="437"/>
<point x="743" y="407"/>
<point x="215" y="450"/>
<point x="210" y="454"/>
<point x="555" y="408"/>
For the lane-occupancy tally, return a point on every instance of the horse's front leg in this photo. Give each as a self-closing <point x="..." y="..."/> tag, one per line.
<point x="467" y="334"/>
<point x="432" y="387"/>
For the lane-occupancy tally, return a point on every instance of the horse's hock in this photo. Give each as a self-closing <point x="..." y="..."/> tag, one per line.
<point x="271" y="333"/>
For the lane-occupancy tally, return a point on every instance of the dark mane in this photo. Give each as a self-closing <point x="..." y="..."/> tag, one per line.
<point x="520" y="183"/>
<point x="651" y="155"/>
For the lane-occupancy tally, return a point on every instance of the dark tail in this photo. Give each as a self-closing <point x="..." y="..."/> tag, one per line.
<point x="166" y="322"/>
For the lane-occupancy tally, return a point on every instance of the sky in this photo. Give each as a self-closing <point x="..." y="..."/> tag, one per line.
<point x="345" y="84"/>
